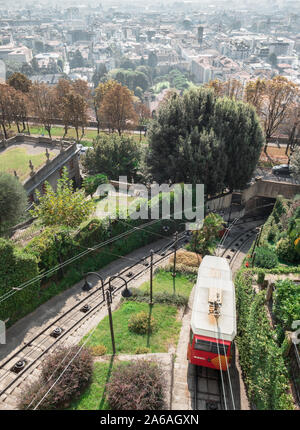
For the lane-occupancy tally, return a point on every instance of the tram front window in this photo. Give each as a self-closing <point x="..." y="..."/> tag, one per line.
<point x="204" y="345"/>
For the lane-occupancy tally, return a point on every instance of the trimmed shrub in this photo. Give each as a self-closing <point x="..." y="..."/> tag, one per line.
<point x="142" y="350"/>
<point x="260" y="278"/>
<point x="91" y="183"/>
<point x="265" y="258"/>
<point x="71" y="384"/>
<point x="287" y="302"/>
<point x="163" y="298"/>
<point x="136" y="386"/>
<point x="141" y="323"/>
<point x="187" y="258"/>
<point x="285" y="250"/>
<point x="186" y="270"/>
<point x="98" y="350"/>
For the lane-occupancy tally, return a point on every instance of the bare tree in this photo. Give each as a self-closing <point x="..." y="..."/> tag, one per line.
<point x="272" y="100"/>
<point x="45" y="105"/>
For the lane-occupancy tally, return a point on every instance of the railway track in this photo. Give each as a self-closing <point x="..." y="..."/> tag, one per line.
<point x="23" y="363"/>
<point x="208" y="392"/>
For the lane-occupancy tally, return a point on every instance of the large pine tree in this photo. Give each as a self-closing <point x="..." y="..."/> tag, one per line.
<point x="199" y="138"/>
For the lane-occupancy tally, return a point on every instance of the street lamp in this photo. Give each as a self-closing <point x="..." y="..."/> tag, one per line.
<point x="125" y="293"/>
<point x="87" y="286"/>
<point x="110" y="323"/>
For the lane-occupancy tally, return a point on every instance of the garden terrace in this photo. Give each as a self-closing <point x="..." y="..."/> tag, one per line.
<point x="264" y="345"/>
<point x="157" y="345"/>
<point x="35" y="160"/>
<point x="164" y="312"/>
<point x="16" y="157"/>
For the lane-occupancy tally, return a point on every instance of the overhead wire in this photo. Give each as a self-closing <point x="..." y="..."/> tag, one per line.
<point x="14" y="290"/>
<point x="65" y="369"/>
<point x="168" y="247"/>
<point x="227" y="368"/>
<point x="220" y="365"/>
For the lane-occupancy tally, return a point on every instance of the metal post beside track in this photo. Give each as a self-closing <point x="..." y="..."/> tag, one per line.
<point x="151" y="276"/>
<point x="110" y="323"/>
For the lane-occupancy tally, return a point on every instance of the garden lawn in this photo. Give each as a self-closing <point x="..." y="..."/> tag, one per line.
<point x="18" y="159"/>
<point x="163" y="283"/>
<point x="165" y="335"/>
<point x="94" y="396"/>
<point x="89" y="134"/>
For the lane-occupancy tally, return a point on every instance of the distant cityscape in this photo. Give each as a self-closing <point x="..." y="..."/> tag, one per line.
<point x="201" y="40"/>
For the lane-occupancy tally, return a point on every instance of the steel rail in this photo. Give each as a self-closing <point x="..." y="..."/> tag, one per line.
<point x="68" y="330"/>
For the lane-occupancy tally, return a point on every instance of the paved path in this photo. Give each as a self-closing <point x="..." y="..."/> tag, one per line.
<point x="34" y="323"/>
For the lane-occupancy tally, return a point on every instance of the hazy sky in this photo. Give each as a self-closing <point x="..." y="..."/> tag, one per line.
<point x="106" y="3"/>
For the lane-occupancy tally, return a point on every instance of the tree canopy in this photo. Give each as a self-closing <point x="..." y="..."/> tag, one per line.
<point x="63" y="206"/>
<point x="199" y="138"/>
<point x="19" y="82"/>
<point x="272" y="100"/>
<point x="13" y="200"/>
<point x="113" y="156"/>
<point x="295" y="163"/>
<point x="117" y="108"/>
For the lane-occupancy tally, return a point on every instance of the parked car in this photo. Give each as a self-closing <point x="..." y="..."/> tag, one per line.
<point x="83" y="149"/>
<point x="282" y="170"/>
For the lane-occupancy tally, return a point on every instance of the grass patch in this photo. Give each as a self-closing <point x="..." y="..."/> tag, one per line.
<point x="166" y="333"/>
<point x="94" y="396"/>
<point x="163" y="283"/>
<point x="59" y="131"/>
<point x="18" y="159"/>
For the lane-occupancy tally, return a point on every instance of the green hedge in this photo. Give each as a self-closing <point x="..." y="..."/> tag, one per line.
<point x="16" y="268"/>
<point x="57" y="244"/>
<point x="265" y="258"/>
<point x="280" y="230"/>
<point x="261" y="359"/>
<point x="286" y="303"/>
<point x="50" y="247"/>
<point x="44" y="252"/>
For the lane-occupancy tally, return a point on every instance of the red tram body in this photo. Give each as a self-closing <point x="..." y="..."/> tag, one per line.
<point x="213" y="322"/>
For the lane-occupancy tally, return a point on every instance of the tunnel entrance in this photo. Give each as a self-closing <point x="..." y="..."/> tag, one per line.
<point x="259" y="206"/>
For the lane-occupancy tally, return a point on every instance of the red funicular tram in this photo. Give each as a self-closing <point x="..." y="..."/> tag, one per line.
<point x="213" y="322"/>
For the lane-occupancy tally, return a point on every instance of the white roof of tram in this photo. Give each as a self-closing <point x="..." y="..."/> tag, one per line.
<point x="214" y="273"/>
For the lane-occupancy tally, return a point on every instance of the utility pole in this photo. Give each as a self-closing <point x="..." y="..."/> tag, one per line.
<point x="174" y="263"/>
<point x="175" y="250"/>
<point x="151" y="276"/>
<point x="110" y="323"/>
<point x="229" y="216"/>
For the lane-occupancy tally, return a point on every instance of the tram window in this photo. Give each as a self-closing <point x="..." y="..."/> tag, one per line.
<point x="222" y="350"/>
<point x="204" y="345"/>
